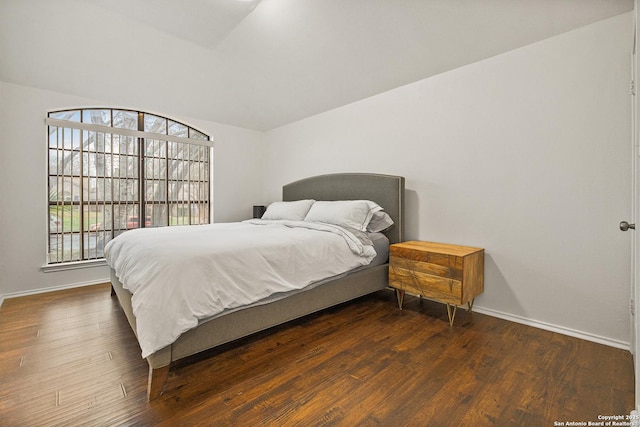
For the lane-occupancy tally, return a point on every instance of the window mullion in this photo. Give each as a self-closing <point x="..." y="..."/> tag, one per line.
<point x="189" y="182"/>
<point x="61" y="190"/>
<point x="141" y="174"/>
<point x="167" y="144"/>
<point x="112" y="180"/>
<point x="82" y="177"/>
<point x="167" y="180"/>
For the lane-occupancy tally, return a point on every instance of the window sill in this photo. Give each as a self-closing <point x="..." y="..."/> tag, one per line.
<point x="51" y="268"/>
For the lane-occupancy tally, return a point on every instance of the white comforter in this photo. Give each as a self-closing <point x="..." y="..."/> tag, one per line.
<point x="181" y="275"/>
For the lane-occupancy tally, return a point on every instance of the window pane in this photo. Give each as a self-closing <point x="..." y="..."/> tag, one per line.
<point x="194" y="171"/>
<point x="98" y="117"/>
<point x="125" y="145"/>
<point x="70" y="138"/>
<point x="125" y="119"/>
<point x="204" y="214"/>
<point x="107" y="218"/>
<point x="53" y="162"/>
<point x="69" y="161"/>
<point x="204" y="192"/>
<point x="94" y="141"/>
<point x="174" y="189"/>
<point x="194" y="134"/>
<point x="54" y="137"/>
<point x="157" y="215"/>
<point x="108" y="143"/>
<point x="194" y="152"/>
<point x="71" y="221"/>
<point x="204" y="171"/>
<point x="124" y="166"/>
<point x="70" y="247"/>
<point x="196" y="213"/>
<point x="96" y="190"/>
<point x="94" y="244"/>
<point x="55" y="221"/>
<point x="125" y="216"/>
<point x="178" y="214"/>
<point x="125" y="190"/>
<point x="156" y="191"/>
<point x="97" y="217"/>
<point x="175" y="167"/>
<point x="64" y="218"/>
<point x="70" y="115"/>
<point x="97" y="164"/>
<point x="155" y="124"/>
<point x="55" y="194"/>
<point x="178" y="129"/>
<point x="64" y="189"/>
<point x="155" y="148"/>
<point x="55" y="248"/>
<point x="155" y="168"/>
<point x="194" y="191"/>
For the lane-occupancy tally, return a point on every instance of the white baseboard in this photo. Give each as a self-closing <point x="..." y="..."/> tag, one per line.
<point x="554" y="328"/>
<point x="490" y="312"/>
<point x="624" y="345"/>
<point x="51" y="289"/>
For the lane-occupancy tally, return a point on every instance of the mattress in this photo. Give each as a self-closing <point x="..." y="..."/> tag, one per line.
<point x="381" y="246"/>
<point x="181" y="277"/>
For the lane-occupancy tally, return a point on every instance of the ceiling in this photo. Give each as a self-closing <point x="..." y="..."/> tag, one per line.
<point x="203" y="22"/>
<point x="263" y="64"/>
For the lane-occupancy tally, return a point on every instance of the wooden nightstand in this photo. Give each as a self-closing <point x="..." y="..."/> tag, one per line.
<point x="450" y="274"/>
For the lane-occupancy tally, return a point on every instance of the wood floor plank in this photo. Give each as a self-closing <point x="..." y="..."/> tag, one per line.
<point x="70" y="358"/>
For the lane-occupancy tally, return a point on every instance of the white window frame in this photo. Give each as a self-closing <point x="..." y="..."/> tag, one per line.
<point x="143" y="138"/>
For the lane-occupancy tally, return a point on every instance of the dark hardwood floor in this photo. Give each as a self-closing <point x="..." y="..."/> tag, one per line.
<point x="70" y="358"/>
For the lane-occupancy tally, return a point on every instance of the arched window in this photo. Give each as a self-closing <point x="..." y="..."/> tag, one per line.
<point x="111" y="170"/>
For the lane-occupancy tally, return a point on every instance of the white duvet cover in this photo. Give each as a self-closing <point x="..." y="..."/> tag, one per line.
<point x="181" y="275"/>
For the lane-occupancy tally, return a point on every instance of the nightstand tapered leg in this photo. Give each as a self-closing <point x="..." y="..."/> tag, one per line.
<point x="451" y="315"/>
<point x="400" y="296"/>
<point x="470" y="305"/>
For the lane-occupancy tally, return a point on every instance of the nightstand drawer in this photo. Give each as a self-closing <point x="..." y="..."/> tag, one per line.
<point x="436" y="266"/>
<point x="415" y="252"/>
<point x="427" y="285"/>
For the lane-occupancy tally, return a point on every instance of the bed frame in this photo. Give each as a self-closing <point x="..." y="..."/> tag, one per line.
<point x="386" y="190"/>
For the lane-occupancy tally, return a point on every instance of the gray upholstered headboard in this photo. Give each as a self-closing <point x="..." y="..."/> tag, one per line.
<point x="385" y="190"/>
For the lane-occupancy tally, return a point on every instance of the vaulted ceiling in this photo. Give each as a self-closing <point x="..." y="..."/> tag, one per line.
<point x="260" y="64"/>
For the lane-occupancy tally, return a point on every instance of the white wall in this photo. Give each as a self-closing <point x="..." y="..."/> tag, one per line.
<point x="238" y="155"/>
<point x="526" y="154"/>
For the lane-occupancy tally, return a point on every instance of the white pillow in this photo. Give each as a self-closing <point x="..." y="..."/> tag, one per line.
<point x="380" y="221"/>
<point x="346" y="213"/>
<point x="293" y="211"/>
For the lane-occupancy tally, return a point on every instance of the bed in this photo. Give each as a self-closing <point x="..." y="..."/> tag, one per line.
<point x="386" y="190"/>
